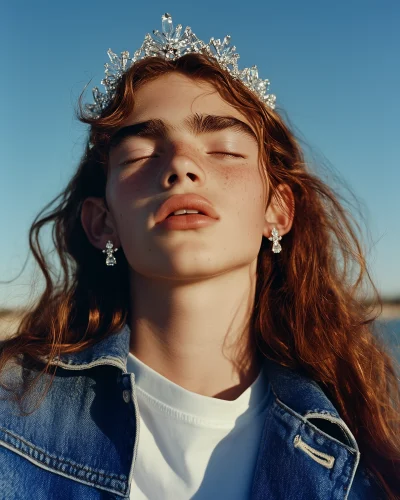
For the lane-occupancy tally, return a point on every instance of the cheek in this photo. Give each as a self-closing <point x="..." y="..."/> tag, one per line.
<point x="123" y="198"/>
<point x="126" y="188"/>
<point x="242" y="196"/>
<point x="245" y="184"/>
<point x="133" y="181"/>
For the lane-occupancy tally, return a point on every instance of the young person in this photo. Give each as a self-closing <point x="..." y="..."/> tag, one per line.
<point x="205" y="339"/>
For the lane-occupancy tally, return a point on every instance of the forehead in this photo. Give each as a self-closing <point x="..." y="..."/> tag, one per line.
<point x="175" y="96"/>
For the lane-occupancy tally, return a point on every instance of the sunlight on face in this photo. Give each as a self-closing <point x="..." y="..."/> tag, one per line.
<point x="182" y="148"/>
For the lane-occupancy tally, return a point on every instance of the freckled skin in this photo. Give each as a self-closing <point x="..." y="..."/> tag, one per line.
<point x="233" y="185"/>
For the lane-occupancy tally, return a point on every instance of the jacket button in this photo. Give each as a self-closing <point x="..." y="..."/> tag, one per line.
<point x="126" y="395"/>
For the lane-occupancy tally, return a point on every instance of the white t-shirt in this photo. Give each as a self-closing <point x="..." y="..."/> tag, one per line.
<point x="195" y="446"/>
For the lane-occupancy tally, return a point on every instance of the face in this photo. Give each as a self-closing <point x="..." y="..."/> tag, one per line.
<point x="220" y="164"/>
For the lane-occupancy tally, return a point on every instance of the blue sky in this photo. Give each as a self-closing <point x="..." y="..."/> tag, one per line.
<point x="334" y="67"/>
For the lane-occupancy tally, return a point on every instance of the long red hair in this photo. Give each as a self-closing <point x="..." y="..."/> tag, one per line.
<point x="308" y="314"/>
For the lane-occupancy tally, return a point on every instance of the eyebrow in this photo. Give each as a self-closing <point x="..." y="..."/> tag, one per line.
<point x="197" y="124"/>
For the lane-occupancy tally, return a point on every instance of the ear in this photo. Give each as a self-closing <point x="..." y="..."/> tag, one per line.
<point x="98" y="223"/>
<point x="280" y="211"/>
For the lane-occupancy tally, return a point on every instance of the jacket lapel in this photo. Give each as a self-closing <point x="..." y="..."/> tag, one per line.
<point x="297" y="459"/>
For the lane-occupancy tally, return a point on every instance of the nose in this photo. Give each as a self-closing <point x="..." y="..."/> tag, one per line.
<point x="182" y="168"/>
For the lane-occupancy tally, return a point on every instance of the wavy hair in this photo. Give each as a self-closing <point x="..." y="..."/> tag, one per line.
<point x="308" y="296"/>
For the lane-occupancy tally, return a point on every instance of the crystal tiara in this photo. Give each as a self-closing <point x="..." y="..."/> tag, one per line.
<point x="172" y="44"/>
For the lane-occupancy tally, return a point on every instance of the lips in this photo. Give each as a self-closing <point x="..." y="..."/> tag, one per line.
<point x="188" y="201"/>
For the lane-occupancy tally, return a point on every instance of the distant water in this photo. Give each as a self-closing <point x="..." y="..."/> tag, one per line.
<point x="389" y="330"/>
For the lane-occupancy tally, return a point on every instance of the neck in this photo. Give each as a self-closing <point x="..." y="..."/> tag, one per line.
<point x="197" y="334"/>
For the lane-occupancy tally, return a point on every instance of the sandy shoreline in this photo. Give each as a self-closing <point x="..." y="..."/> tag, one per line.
<point x="389" y="312"/>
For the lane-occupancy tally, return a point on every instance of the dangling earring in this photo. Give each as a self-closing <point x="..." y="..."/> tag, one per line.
<point x="110" y="260"/>
<point x="276" y="248"/>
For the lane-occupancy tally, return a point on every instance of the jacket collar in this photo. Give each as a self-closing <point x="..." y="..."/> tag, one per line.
<point x="296" y="391"/>
<point x="112" y="350"/>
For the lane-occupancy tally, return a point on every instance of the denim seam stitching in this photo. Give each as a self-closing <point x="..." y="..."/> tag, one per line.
<point x="70" y="365"/>
<point x="52" y="459"/>
<point x="57" y="472"/>
<point x="314" y="427"/>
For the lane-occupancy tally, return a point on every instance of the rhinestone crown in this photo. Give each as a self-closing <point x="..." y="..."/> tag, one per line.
<point x="171" y="44"/>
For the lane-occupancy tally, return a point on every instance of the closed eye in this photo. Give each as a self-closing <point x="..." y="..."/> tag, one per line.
<point x="224" y="153"/>
<point x="135" y="160"/>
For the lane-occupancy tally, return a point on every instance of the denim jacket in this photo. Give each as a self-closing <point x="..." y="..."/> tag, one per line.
<point x="82" y="441"/>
